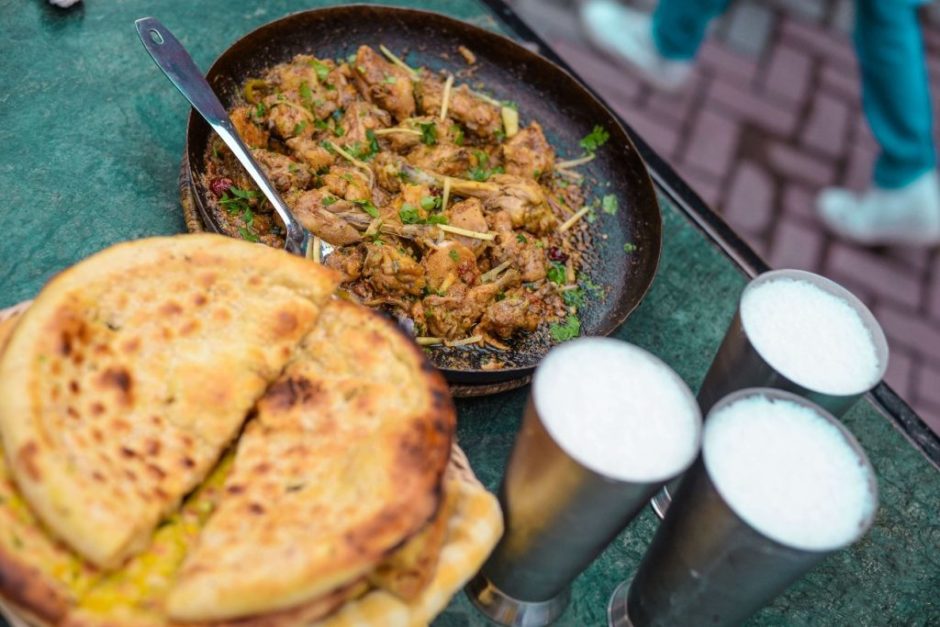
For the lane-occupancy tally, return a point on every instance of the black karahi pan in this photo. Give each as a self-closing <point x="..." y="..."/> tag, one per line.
<point x="625" y="246"/>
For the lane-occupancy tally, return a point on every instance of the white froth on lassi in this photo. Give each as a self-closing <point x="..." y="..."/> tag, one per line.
<point x="617" y="409"/>
<point x="788" y="472"/>
<point x="811" y="336"/>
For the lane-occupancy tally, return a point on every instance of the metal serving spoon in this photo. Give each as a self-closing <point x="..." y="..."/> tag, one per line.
<point x="171" y="57"/>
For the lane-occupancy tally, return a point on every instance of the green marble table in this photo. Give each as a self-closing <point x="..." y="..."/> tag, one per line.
<point x="91" y="136"/>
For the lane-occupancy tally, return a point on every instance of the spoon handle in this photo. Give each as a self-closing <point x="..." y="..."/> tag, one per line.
<point x="171" y="57"/>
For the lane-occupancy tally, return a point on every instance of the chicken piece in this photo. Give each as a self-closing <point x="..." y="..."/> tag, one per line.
<point x="282" y="171"/>
<point x="453" y="316"/>
<point x="302" y="69"/>
<point x="347" y="183"/>
<point x="310" y="210"/>
<point x="468" y="214"/>
<point x="388" y="171"/>
<point x="449" y="263"/>
<point x="519" y="311"/>
<point x="346" y="260"/>
<point x="244" y="122"/>
<point x="421" y="130"/>
<point x="518" y="248"/>
<point x="311" y="153"/>
<point x="528" y="154"/>
<point x="358" y="118"/>
<point x="391" y="271"/>
<point x="478" y="116"/>
<point x="446" y="159"/>
<point x="415" y="194"/>
<point x="523" y="200"/>
<point x="384" y="84"/>
<point x="340" y="91"/>
<point x="287" y="119"/>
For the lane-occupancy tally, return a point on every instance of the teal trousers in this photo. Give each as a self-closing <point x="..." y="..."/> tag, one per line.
<point x="895" y="90"/>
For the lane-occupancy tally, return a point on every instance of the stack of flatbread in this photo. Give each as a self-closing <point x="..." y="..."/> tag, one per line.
<point x="197" y="433"/>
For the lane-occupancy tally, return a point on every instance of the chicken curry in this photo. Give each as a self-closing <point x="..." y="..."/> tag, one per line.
<point x="442" y="209"/>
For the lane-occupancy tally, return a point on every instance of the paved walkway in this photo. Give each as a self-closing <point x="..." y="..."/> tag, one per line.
<point x="771" y="116"/>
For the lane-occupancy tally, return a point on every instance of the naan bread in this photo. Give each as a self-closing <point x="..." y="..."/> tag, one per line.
<point x="36" y="572"/>
<point x="407" y="572"/>
<point x="133" y="370"/>
<point x="342" y="464"/>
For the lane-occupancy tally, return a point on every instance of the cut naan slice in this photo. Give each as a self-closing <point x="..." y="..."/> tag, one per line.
<point x="133" y="370"/>
<point x="38" y="575"/>
<point x="342" y="464"/>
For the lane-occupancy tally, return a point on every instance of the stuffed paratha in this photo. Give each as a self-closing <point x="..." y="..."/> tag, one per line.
<point x="342" y="463"/>
<point x="133" y="370"/>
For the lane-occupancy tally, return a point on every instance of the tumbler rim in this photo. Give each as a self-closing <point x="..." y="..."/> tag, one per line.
<point x="588" y="464"/>
<point x="879" y="340"/>
<point x="850" y="439"/>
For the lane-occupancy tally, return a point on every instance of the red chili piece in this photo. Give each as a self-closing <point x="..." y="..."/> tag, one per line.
<point x="220" y="185"/>
<point x="557" y="254"/>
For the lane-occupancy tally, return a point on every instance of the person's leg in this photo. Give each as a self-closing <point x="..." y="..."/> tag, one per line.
<point x="660" y="47"/>
<point x="895" y="92"/>
<point x="679" y="26"/>
<point x="903" y="204"/>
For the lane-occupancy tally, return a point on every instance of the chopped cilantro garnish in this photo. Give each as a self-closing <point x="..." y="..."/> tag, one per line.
<point x="478" y="174"/>
<point x="368" y="207"/>
<point x="260" y="110"/>
<point x="458" y="134"/>
<point x="235" y="200"/>
<point x="595" y="139"/>
<point x="409" y="214"/>
<point x="609" y="204"/>
<point x="428" y="133"/>
<point x="539" y="243"/>
<point x="429" y="203"/>
<point x="557" y="273"/>
<point x="306" y="95"/>
<point x="248" y="234"/>
<point x="299" y="127"/>
<point x="454" y="255"/>
<point x="338" y="130"/>
<point x="373" y="144"/>
<point x="629" y="247"/>
<point x="573" y="298"/>
<point x="567" y="330"/>
<point x="320" y="124"/>
<point x="437" y="218"/>
<point x="482" y="158"/>
<point x="521" y="238"/>
<point x="323" y="70"/>
<point x="292" y="167"/>
<point x="329" y="200"/>
<point x="591" y="286"/>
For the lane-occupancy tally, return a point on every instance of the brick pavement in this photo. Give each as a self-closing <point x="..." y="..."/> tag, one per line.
<point x="771" y="116"/>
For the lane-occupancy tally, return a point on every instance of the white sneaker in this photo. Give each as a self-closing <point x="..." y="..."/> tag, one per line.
<point x="627" y="34"/>
<point x="907" y="215"/>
